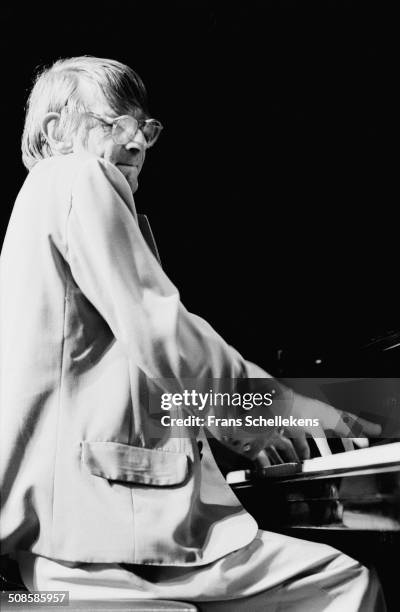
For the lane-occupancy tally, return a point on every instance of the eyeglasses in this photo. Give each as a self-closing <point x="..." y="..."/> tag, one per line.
<point x="125" y="128"/>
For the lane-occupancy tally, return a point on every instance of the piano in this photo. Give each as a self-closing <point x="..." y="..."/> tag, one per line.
<point x="349" y="499"/>
<point x="356" y="490"/>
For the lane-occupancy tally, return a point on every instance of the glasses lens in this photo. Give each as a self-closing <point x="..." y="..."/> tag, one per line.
<point x="151" y="131"/>
<point x="125" y="129"/>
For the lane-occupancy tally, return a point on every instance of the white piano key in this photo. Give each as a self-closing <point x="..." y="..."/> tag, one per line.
<point x="323" y="446"/>
<point x="374" y="455"/>
<point x="237" y="476"/>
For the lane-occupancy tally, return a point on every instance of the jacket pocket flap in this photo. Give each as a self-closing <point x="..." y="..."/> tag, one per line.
<point x="115" y="461"/>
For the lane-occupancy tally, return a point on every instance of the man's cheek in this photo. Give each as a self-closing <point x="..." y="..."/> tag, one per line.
<point x="109" y="153"/>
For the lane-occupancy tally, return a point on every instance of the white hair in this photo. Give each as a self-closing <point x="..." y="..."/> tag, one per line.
<point x="58" y="89"/>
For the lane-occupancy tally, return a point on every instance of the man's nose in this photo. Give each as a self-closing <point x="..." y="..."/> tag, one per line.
<point x="137" y="146"/>
<point x="137" y="142"/>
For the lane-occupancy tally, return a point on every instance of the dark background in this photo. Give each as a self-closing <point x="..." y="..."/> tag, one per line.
<point x="271" y="190"/>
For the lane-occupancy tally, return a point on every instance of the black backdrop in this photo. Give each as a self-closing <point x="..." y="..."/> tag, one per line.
<point x="271" y="191"/>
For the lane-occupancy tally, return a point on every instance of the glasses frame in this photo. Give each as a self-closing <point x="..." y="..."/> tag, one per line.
<point x="140" y="124"/>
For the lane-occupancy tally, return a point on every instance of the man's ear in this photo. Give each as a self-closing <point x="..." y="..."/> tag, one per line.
<point x="50" y="126"/>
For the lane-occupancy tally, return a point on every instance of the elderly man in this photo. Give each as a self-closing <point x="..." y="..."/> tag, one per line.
<point x="92" y="501"/>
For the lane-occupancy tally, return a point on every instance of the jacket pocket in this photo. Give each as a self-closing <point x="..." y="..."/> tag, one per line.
<point x="115" y="461"/>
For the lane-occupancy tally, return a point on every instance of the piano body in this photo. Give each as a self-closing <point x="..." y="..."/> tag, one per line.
<point x="348" y="499"/>
<point x="358" y="490"/>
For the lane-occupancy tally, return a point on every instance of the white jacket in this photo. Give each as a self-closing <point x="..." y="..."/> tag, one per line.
<point x="87" y="318"/>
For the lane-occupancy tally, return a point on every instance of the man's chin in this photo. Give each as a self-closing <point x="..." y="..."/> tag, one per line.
<point x="130" y="174"/>
<point x="133" y="184"/>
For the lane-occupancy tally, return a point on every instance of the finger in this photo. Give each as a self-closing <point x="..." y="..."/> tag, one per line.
<point x="371" y="430"/>
<point x="349" y="425"/>
<point x="342" y="426"/>
<point x="302" y="447"/>
<point x="286" y="449"/>
<point x="274" y="455"/>
<point x="360" y="442"/>
<point x="262" y="459"/>
<point x="348" y="444"/>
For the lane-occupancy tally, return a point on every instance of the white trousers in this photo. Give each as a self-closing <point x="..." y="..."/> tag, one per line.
<point x="274" y="573"/>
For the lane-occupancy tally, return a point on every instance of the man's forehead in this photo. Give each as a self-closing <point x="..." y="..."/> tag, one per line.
<point x="103" y="108"/>
<point x="96" y="102"/>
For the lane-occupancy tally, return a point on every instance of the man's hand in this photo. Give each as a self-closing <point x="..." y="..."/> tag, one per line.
<point x="290" y="443"/>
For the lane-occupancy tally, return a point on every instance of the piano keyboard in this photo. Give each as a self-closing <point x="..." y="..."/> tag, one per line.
<point x="363" y="457"/>
<point x="371" y="457"/>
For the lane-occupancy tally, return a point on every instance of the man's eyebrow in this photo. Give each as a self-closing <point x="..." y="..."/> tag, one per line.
<point x="137" y="112"/>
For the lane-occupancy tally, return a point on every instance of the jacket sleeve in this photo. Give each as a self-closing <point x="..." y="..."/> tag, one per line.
<point x="115" y="269"/>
